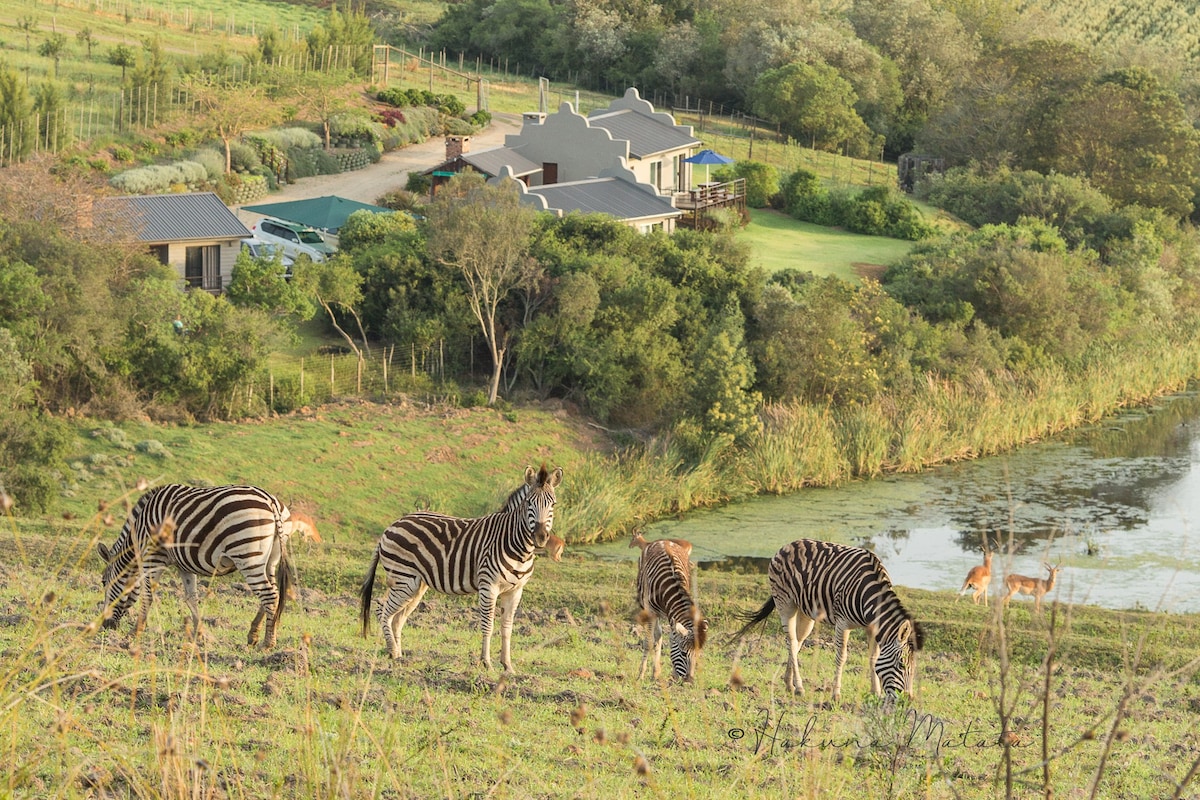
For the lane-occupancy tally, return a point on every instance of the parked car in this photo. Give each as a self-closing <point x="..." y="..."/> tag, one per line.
<point x="257" y="248"/>
<point x="295" y="239"/>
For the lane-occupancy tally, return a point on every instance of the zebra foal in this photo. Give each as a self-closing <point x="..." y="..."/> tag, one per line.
<point x="812" y="580"/>
<point x="664" y="592"/>
<point x="491" y="556"/>
<point x="200" y="531"/>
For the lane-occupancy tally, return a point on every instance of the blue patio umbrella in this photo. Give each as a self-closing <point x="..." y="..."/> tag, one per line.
<point x="708" y="157"/>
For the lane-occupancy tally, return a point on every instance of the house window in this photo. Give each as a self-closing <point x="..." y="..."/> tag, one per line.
<point x="161" y="252"/>
<point x="549" y="173"/>
<point x="656" y="174"/>
<point x="202" y="267"/>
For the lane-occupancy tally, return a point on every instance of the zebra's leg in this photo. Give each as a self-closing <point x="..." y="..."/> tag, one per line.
<point x="404" y="592"/>
<point x="192" y="597"/>
<point x="508" y="609"/>
<point x="150" y="575"/>
<point x="872" y="660"/>
<point x="487" y="617"/>
<point x="841" y="639"/>
<point x="653" y="642"/>
<point x="268" y="602"/>
<point x="798" y="627"/>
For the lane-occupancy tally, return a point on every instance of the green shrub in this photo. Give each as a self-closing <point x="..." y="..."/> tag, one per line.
<point x="481" y="118"/>
<point x="806" y="198"/>
<point x="418" y="183"/>
<point x="243" y="157"/>
<point x="212" y="161"/>
<point x="122" y="154"/>
<point x="287" y="138"/>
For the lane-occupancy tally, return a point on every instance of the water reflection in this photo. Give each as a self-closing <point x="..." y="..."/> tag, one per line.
<point x="1114" y="504"/>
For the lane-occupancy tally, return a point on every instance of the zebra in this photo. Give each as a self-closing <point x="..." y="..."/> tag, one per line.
<point x="664" y="592"/>
<point x="200" y="531"/>
<point x="492" y="556"/>
<point x="812" y="580"/>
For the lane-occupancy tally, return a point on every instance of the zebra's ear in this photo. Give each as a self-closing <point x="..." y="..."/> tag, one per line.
<point x="556" y="477"/>
<point x="102" y="549"/>
<point x="530" y="475"/>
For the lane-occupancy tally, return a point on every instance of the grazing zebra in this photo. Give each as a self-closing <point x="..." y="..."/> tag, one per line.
<point x="201" y="532"/>
<point x="492" y="556"/>
<point x="664" y="591"/>
<point x="812" y="580"/>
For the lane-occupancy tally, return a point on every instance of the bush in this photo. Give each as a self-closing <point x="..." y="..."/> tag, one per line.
<point x="212" y="161"/>
<point x="418" y="183"/>
<point x="33" y="447"/>
<point x="287" y="138"/>
<point x="806" y="198"/>
<point x="481" y="118"/>
<point x="762" y="181"/>
<point x="243" y="157"/>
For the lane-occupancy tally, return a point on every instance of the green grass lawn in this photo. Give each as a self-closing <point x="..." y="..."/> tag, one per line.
<point x="778" y="242"/>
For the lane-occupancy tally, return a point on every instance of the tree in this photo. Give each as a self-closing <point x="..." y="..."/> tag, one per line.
<point x="87" y="38"/>
<point x="335" y="286"/>
<point x="814" y="103"/>
<point x="16" y="132"/>
<point x="53" y="48"/>
<point x="484" y="232"/>
<point x="122" y="56"/>
<point x="229" y="109"/>
<point x="28" y="24"/>
<point x="322" y="95"/>
<point x="54" y="131"/>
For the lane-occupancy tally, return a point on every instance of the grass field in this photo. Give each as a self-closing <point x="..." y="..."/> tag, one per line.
<point x="325" y="714"/>
<point x="779" y="242"/>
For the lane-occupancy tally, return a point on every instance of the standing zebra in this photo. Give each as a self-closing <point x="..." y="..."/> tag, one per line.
<point x="813" y="580"/>
<point x="200" y="531"/>
<point x="491" y="556"/>
<point x="664" y="591"/>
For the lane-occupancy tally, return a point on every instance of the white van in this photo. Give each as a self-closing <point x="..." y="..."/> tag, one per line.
<point x="295" y="239"/>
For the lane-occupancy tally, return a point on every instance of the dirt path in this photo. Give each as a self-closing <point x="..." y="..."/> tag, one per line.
<point x="391" y="172"/>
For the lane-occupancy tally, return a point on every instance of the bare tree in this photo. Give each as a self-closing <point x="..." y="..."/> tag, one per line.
<point x="484" y="232"/>
<point x="229" y="109"/>
<point x="319" y="95"/>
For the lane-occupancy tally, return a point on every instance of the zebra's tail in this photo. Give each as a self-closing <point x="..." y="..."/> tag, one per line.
<point x="753" y="620"/>
<point x="365" y="592"/>
<point x="283" y="578"/>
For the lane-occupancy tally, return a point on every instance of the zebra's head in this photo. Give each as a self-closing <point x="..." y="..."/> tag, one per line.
<point x="539" y="502"/>
<point x="120" y="576"/>
<point x="686" y="643"/>
<point x="897" y="662"/>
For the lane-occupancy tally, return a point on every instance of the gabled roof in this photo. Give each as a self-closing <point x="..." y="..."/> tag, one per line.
<point x="613" y="196"/>
<point x="646" y="135"/>
<point x="200" y="216"/>
<point x="490" y="162"/>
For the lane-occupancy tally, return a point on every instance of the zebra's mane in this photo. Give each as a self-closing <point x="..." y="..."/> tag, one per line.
<point x="892" y="600"/>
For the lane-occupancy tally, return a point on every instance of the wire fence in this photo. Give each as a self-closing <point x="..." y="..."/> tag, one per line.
<point x="335" y="372"/>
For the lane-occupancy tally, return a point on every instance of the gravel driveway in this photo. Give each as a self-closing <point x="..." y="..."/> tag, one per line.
<point x="391" y="172"/>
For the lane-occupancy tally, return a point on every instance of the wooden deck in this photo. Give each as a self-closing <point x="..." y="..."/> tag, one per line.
<point x="696" y="204"/>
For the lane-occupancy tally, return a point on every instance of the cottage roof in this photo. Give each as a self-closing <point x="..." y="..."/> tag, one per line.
<point x="490" y="162"/>
<point x="646" y="135"/>
<point x="199" y="216"/>
<point x="619" y="198"/>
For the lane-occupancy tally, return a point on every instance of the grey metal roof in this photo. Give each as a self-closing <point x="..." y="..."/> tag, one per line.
<point x="490" y="162"/>
<point x="646" y="136"/>
<point x="180" y="217"/>
<point x="612" y="196"/>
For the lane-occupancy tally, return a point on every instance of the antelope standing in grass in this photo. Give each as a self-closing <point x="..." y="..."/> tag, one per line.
<point x="979" y="578"/>
<point x="1038" y="587"/>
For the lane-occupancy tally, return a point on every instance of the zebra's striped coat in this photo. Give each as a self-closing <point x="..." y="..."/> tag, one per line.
<point x="491" y="556"/>
<point x="201" y="531"/>
<point x="812" y="580"/>
<point x="664" y="592"/>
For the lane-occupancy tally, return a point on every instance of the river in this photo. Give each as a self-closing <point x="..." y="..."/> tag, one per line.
<point x="1116" y="505"/>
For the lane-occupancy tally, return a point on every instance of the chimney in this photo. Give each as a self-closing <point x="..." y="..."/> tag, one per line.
<point x="533" y="117"/>
<point x="457" y="146"/>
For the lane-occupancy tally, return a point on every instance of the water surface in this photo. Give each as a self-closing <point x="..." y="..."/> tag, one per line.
<point x="1116" y="505"/>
